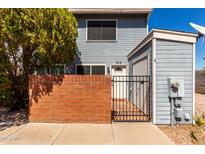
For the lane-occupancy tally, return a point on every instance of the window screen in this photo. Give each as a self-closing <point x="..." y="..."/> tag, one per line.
<point x="98" y="70"/>
<point x="91" y="69"/>
<point x="109" y="30"/>
<point x="94" y="30"/>
<point x="84" y="70"/>
<point x="101" y="30"/>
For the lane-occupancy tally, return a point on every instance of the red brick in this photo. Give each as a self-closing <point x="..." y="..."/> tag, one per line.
<point x="70" y="99"/>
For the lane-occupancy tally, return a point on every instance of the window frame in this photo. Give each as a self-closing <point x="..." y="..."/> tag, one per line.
<point x="116" y="20"/>
<point x="76" y="66"/>
<point x="48" y="70"/>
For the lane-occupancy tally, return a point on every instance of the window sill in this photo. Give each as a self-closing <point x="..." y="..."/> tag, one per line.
<point x="101" y="41"/>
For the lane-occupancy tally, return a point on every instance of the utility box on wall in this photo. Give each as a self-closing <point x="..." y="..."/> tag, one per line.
<point x="176" y="87"/>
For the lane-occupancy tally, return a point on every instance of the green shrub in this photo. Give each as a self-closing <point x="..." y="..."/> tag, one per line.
<point x="200" y="120"/>
<point x="30" y="38"/>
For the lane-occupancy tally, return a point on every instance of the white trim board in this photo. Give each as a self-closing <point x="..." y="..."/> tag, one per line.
<point x="166" y="35"/>
<point x="154" y="80"/>
<point x="174" y="37"/>
<point x="193" y="76"/>
<point x="110" y="10"/>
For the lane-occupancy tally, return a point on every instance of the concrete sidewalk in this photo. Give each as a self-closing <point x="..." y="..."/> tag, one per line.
<point x="116" y="133"/>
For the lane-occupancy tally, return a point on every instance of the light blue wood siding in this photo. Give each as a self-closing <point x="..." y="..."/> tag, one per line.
<point x="173" y="59"/>
<point x="144" y="51"/>
<point x="130" y="31"/>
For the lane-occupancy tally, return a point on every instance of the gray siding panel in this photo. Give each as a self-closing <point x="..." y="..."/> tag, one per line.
<point x="172" y="59"/>
<point x="130" y="31"/>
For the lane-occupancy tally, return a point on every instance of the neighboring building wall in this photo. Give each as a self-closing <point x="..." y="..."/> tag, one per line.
<point x="173" y="59"/>
<point x="131" y="29"/>
<point x="70" y="99"/>
<point x="144" y="51"/>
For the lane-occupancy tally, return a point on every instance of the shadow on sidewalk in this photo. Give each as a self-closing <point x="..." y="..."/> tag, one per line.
<point x="12" y="118"/>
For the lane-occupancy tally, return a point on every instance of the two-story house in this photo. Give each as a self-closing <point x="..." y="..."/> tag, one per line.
<point x="117" y="42"/>
<point x="153" y="74"/>
<point x="106" y="36"/>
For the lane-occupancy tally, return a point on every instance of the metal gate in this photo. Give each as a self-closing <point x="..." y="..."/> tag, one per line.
<point x="131" y="98"/>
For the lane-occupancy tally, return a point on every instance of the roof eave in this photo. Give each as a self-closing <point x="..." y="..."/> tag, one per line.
<point x="158" y="34"/>
<point x="110" y="11"/>
<point x="175" y="32"/>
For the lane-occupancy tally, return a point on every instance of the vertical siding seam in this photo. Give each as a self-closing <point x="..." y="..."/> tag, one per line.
<point x="154" y="79"/>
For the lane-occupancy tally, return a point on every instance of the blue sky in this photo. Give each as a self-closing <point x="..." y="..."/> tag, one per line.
<point x="178" y="19"/>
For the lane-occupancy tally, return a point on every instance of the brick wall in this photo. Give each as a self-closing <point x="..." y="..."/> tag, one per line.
<point x="70" y="99"/>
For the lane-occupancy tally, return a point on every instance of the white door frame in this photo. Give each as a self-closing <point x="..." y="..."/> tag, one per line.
<point x="118" y="65"/>
<point x="124" y="66"/>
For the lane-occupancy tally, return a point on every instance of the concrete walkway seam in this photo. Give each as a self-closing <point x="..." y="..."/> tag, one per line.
<point x="113" y="135"/>
<point x="13" y="133"/>
<point x="58" y="134"/>
<point x="161" y="132"/>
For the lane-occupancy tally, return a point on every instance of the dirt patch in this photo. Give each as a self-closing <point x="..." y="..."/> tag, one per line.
<point x="200" y="81"/>
<point x="12" y="118"/>
<point x="200" y="103"/>
<point x="180" y="134"/>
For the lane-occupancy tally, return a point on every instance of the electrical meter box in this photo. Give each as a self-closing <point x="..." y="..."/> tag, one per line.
<point x="176" y="87"/>
<point x="178" y="113"/>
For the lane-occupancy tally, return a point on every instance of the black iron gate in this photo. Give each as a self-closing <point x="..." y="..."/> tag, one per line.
<point x="131" y="98"/>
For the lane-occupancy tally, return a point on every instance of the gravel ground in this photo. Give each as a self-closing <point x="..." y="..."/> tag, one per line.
<point x="180" y="134"/>
<point x="200" y="103"/>
<point x="11" y="118"/>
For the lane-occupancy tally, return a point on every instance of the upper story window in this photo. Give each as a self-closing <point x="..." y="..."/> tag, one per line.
<point x="101" y="30"/>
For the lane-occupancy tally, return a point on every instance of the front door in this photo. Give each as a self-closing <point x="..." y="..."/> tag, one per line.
<point x="119" y="87"/>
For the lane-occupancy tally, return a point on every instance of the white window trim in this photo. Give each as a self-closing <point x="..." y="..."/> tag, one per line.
<point x="91" y="67"/>
<point x="116" y="20"/>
